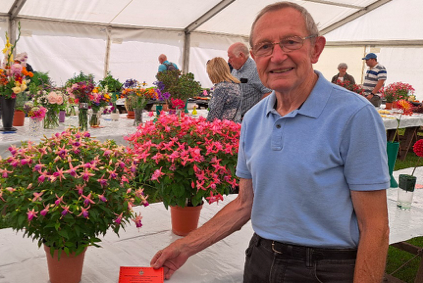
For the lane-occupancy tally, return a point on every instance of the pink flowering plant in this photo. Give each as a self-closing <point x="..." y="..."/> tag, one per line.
<point x="187" y="160"/>
<point x="397" y="91"/>
<point x="68" y="190"/>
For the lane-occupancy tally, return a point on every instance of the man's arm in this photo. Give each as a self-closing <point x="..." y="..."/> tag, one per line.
<point x="372" y="215"/>
<point x="378" y="86"/>
<point x="228" y="220"/>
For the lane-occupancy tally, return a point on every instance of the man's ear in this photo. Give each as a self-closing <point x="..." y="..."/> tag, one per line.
<point x="318" y="47"/>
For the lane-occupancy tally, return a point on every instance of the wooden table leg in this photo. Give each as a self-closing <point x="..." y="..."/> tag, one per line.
<point x="407" y="141"/>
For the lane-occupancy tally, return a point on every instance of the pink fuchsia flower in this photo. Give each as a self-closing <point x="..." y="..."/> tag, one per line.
<point x="37" y="196"/>
<point x="31" y="214"/>
<point x="10" y="189"/>
<point x="84" y="212"/>
<point x="59" y="200"/>
<point x="137" y="220"/>
<point x="102" y="181"/>
<point x="66" y="210"/>
<point x="102" y="198"/>
<point x="157" y="174"/>
<point x="118" y="220"/>
<point x="45" y="210"/>
<point x="87" y="200"/>
<point x="211" y="199"/>
<point x="86" y="175"/>
<point x="80" y="189"/>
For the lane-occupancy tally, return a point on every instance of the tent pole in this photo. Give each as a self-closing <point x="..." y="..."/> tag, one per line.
<point x="107" y="56"/>
<point x="185" y="56"/>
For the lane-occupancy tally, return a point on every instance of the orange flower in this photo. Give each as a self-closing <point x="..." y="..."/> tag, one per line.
<point x="405" y="106"/>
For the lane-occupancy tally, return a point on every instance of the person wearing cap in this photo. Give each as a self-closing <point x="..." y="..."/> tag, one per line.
<point x="374" y="80"/>
<point x="343" y="76"/>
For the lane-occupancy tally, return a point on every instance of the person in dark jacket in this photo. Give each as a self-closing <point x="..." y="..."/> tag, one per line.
<point x="342" y="76"/>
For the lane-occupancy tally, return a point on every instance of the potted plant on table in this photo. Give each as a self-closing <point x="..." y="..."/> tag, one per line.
<point x="396" y="91"/>
<point x="19" y="116"/>
<point x="181" y="86"/>
<point x="36" y="115"/>
<point x="67" y="191"/>
<point x="186" y="160"/>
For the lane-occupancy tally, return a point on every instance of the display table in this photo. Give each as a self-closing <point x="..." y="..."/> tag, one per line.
<point x="411" y="125"/>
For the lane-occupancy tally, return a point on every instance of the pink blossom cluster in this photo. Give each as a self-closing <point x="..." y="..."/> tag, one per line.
<point x="185" y="150"/>
<point x="72" y="174"/>
<point x="397" y="91"/>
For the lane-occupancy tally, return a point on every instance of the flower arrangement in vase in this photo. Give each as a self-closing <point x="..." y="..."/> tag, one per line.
<point x="37" y="114"/>
<point x="98" y="99"/>
<point x="12" y="82"/>
<point x="68" y="190"/>
<point x="136" y="99"/>
<point x="397" y="91"/>
<point x="53" y="100"/>
<point x="80" y="93"/>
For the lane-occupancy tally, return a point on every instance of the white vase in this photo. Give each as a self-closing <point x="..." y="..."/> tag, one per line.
<point x="34" y="126"/>
<point x="114" y="116"/>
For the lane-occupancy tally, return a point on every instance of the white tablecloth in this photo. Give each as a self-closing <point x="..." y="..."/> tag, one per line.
<point x="405" y="121"/>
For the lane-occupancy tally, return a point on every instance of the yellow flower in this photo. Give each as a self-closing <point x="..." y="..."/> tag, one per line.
<point x="16" y="89"/>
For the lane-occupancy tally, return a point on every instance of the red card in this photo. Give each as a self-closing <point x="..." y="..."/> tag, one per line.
<point x="138" y="274"/>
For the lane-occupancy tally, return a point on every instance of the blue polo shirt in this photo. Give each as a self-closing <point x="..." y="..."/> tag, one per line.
<point x="304" y="164"/>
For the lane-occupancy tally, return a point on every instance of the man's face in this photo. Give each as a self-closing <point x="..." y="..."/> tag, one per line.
<point x="370" y="62"/>
<point x="285" y="71"/>
<point x="236" y="61"/>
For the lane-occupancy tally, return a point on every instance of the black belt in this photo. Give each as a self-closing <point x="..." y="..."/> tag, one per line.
<point x="301" y="252"/>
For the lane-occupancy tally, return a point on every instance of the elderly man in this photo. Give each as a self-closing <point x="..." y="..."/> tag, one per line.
<point x="166" y="65"/>
<point x="244" y="69"/>
<point x="374" y="80"/>
<point x="319" y="214"/>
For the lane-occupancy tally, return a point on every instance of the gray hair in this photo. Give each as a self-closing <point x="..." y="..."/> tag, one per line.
<point x="309" y="22"/>
<point x="342" y="65"/>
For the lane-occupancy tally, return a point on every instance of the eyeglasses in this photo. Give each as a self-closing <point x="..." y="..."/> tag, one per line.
<point x="288" y="44"/>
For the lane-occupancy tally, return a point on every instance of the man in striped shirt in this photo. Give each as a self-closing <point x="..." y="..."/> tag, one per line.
<point x="374" y="79"/>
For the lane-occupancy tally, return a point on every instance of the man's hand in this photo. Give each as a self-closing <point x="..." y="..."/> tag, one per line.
<point x="171" y="258"/>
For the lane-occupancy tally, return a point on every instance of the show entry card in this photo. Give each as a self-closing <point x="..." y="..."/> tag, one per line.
<point x="138" y="274"/>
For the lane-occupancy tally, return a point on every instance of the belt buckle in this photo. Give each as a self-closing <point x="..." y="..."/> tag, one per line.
<point x="273" y="248"/>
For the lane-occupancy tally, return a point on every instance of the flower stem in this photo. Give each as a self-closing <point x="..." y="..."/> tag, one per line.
<point x="418" y="160"/>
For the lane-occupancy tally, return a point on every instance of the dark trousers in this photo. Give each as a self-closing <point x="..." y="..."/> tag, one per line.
<point x="271" y="262"/>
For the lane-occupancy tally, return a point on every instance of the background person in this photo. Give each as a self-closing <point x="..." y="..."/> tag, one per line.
<point x="319" y="214"/>
<point x="227" y="92"/>
<point x="244" y="68"/>
<point x="166" y="65"/>
<point x="343" y="76"/>
<point x="374" y="80"/>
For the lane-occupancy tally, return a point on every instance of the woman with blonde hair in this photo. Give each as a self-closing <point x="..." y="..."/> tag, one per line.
<point x="227" y="91"/>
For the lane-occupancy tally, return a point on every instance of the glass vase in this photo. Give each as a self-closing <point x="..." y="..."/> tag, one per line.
<point x="95" y="118"/>
<point x="34" y="126"/>
<point x="138" y="116"/>
<point x="83" y="116"/>
<point x="406" y="185"/>
<point x="51" y="120"/>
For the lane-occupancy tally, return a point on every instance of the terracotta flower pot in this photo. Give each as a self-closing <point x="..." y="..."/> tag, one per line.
<point x="388" y="105"/>
<point x="18" y="118"/>
<point x="131" y="115"/>
<point x="66" y="270"/>
<point x="184" y="219"/>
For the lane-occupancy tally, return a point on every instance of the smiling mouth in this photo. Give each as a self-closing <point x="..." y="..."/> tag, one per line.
<point x="280" y="71"/>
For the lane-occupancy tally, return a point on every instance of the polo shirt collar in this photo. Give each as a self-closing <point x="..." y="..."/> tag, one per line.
<point x="315" y="102"/>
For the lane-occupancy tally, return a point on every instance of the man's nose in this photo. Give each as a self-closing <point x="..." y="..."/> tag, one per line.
<point x="278" y="52"/>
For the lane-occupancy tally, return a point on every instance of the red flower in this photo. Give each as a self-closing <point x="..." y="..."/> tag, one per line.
<point x="418" y="148"/>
